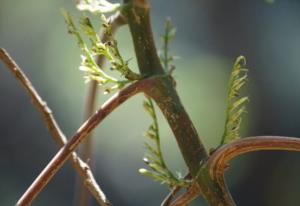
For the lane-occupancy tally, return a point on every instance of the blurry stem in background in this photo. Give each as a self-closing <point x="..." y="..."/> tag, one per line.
<point x="116" y="20"/>
<point x="65" y="152"/>
<point x="80" y="166"/>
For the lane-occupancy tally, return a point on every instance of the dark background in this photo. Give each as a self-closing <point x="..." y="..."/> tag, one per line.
<point x="211" y="34"/>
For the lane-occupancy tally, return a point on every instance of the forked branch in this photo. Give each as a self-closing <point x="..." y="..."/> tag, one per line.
<point x="81" y="167"/>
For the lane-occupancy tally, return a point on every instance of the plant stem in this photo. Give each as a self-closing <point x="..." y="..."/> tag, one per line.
<point x="186" y="197"/>
<point x="81" y="167"/>
<point x="218" y="161"/>
<point x="168" y="199"/>
<point x="166" y="97"/>
<point x="64" y="153"/>
<point x="163" y="91"/>
<point x="137" y="14"/>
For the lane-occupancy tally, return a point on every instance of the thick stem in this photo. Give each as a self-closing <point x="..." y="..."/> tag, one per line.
<point x="64" y="153"/>
<point x="137" y="14"/>
<point x="165" y="95"/>
<point x="186" y="135"/>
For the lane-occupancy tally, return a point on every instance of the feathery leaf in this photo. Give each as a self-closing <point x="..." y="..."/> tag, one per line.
<point x="235" y="103"/>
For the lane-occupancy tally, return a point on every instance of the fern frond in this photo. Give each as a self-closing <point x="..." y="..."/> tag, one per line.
<point x="235" y="103"/>
<point x="154" y="157"/>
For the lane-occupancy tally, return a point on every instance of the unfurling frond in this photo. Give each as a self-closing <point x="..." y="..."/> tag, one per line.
<point x="235" y="103"/>
<point x="98" y="48"/>
<point x="154" y="157"/>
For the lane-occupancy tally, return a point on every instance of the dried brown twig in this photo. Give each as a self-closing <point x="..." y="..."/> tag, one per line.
<point x="81" y="167"/>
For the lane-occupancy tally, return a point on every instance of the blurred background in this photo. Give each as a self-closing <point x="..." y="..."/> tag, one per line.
<point x="211" y="34"/>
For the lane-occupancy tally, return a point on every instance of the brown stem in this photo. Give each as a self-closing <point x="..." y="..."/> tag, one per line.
<point x="186" y="198"/>
<point x="64" y="153"/>
<point x="218" y="161"/>
<point x="81" y="167"/>
<point x="137" y="13"/>
<point x="168" y="199"/>
<point x="163" y="92"/>
<point x="116" y="21"/>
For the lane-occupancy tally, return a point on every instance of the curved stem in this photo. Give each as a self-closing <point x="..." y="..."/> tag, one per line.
<point x="64" y="153"/>
<point x="218" y="161"/>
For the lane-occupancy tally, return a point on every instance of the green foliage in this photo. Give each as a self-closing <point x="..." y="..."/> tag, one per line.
<point x="97" y="6"/>
<point x="167" y="37"/>
<point x="154" y="157"/>
<point x="235" y="103"/>
<point x="98" y="48"/>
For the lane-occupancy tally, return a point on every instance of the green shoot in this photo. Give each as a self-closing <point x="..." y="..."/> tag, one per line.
<point x="235" y="103"/>
<point x="167" y="37"/>
<point x="154" y="157"/>
<point x="98" y="48"/>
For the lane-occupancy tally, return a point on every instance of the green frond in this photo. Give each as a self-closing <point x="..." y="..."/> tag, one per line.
<point x="167" y="37"/>
<point x="154" y="157"/>
<point x="235" y="103"/>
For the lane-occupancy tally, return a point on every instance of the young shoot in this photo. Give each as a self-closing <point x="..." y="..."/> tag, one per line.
<point x="154" y="157"/>
<point x="98" y="48"/>
<point x="235" y="103"/>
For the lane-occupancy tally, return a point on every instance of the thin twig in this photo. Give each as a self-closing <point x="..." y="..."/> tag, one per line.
<point x="116" y="21"/>
<point x="168" y="199"/>
<point x="81" y="167"/>
<point x="64" y="153"/>
<point x="184" y="199"/>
